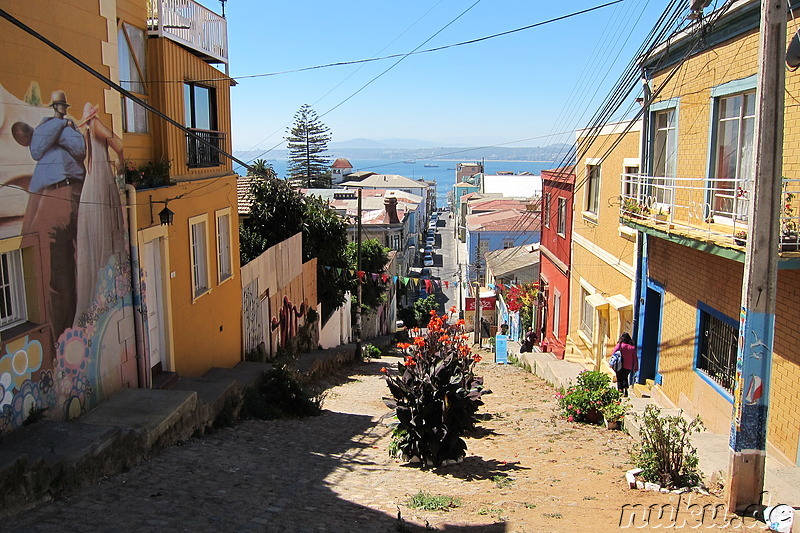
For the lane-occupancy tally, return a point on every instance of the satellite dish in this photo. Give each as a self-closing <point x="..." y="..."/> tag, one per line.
<point x="793" y="53"/>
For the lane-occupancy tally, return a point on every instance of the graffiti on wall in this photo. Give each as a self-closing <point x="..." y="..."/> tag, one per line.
<point x="68" y="169"/>
<point x="251" y="315"/>
<point x="288" y="320"/>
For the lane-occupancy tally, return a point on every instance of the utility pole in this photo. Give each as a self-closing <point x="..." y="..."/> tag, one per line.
<point x="748" y="439"/>
<point x="478" y="293"/>
<point x="358" y="286"/>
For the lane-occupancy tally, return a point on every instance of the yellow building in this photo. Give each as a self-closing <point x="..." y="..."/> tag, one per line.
<point x="189" y="269"/>
<point x="83" y="255"/>
<point x="690" y="206"/>
<point x="603" y="270"/>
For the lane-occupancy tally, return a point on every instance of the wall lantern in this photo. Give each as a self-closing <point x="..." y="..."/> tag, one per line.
<point x="166" y="216"/>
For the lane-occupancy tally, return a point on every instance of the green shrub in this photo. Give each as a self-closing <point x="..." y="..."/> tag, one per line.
<point x="280" y="395"/>
<point x="586" y="400"/>
<point x="435" y="394"/>
<point x="665" y="454"/>
<point x="370" y="351"/>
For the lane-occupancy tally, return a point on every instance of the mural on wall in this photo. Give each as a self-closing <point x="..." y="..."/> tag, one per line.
<point x="68" y="170"/>
<point x="288" y="320"/>
<point x="251" y="315"/>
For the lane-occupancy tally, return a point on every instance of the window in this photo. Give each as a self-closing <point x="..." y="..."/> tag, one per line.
<point x="12" y="290"/>
<point x="718" y="344"/>
<point x="546" y="210"/>
<point x="131" y="49"/>
<point x="587" y="314"/>
<point x="556" y="312"/>
<point x="224" y="245"/>
<point x="562" y="216"/>
<point x="200" y="115"/>
<point x="508" y="243"/>
<point x="665" y="152"/>
<point x="592" y="188"/>
<point x="733" y="155"/>
<point x="199" y="245"/>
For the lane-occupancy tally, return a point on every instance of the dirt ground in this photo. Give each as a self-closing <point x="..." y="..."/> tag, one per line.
<point x="527" y="469"/>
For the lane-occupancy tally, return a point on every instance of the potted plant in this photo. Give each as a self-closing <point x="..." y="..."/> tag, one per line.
<point x="740" y="237"/>
<point x="789" y="236"/>
<point x="614" y="412"/>
<point x="662" y="214"/>
<point x="585" y="401"/>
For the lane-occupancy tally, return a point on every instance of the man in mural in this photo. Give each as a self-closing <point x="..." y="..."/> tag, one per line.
<point x="59" y="150"/>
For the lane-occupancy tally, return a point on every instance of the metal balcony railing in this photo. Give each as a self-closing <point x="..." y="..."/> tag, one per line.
<point x="201" y="155"/>
<point x="192" y="25"/>
<point x="711" y="208"/>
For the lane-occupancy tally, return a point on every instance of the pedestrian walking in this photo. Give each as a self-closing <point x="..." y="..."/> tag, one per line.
<point x="630" y="363"/>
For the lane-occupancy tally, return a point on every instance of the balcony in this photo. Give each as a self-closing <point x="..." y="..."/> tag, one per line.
<point x="704" y="210"/>
<point x="200" y="154"/>
<point x="190" y="24"/>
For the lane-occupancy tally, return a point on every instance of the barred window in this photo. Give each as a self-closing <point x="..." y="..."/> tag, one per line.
<point x="718" y="345"/>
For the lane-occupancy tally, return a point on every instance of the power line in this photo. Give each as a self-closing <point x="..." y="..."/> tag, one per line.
<point x="414" y="52"/>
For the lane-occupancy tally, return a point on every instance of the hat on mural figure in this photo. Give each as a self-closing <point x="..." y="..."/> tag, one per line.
<point x="58" y="97"/>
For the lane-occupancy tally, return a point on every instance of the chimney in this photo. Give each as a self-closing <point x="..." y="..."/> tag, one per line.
<point x="391" y="209"/>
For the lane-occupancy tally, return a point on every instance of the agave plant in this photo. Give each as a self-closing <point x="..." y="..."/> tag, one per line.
<point x="435" y="394"/>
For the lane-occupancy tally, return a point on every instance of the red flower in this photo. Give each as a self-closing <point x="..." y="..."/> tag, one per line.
<point x="403" y="345"/>
<point x="419" y="341"/>
<point x="477" y="358"/>
<point x="384" y="370"/>
<point x="433" y="312"/>
<point x="409" y="361"/>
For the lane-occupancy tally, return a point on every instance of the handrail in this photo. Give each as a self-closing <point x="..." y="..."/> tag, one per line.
<point x="712" y="206"/>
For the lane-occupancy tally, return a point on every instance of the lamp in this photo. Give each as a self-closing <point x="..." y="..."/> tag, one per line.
<point x="166" y="216"/>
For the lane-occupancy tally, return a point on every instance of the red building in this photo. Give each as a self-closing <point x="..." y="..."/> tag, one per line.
<point x="552" y="318"/>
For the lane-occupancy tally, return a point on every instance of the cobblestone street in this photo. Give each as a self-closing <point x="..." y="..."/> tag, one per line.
<point x="526" y="470"/>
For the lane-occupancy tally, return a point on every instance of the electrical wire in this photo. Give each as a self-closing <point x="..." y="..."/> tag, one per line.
<point x="414" y="52"/>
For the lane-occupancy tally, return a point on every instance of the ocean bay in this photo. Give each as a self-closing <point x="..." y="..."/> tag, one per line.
<point x="441" y="171"/>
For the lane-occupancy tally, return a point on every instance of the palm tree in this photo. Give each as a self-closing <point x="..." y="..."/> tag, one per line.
<point x="261" y="168"/>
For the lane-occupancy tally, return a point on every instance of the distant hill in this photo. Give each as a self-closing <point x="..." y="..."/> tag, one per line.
<point x="553" y="152"/>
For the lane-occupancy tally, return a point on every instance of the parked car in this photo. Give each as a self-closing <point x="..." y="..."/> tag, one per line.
<point x="427" y="260"/>
<point x="425" y="273"/>
<point x="430" y="241"/>
<point x="428" y="249"/>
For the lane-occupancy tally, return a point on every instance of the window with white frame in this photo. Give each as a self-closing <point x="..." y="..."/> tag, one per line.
<point x="665" y="156"/>
<point x="593" y="188"/>
<point x="132" y="68"/>
<point x="587" y="314"/>
<point x="508" y="243"/>
<point x="12" y="290"/>
<point x="199" y="244"/>
<point x="556" y="312"/>
<point x="733" y="154"/>
<point x="562" y="216"/>
<point x="224" y="259"/>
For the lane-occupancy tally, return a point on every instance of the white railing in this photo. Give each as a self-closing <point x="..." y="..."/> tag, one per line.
<point x="191" y="24"/>
<point x="713" y="207"/>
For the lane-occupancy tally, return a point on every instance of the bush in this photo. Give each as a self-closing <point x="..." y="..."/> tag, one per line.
<point x="370" y="351"/>
<point x="586" y="400"/>
<point x="665" y="454"/>
<point x="435" y="394"/>
<point x="280" y="395"/>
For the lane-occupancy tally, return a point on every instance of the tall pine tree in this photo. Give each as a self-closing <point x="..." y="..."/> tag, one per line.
<point x="307" y="141"/>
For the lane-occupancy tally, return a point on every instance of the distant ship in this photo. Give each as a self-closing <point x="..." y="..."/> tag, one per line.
<point x="409" y="161"/>
<point x="430" y="165"/>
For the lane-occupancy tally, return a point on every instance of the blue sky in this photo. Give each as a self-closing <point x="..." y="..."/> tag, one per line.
<point x="520" y="87"/>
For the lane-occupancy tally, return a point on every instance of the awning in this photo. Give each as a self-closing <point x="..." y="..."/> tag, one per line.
<point x="620" y="302"/>
<point x="598" y="301"/>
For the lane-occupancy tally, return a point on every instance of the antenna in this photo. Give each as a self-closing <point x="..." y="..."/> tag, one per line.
<point x="793" y="53"/>
<point x="223" y="7"/>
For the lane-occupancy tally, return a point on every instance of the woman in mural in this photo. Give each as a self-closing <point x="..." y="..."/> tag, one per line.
<point x="100" y="223"/>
